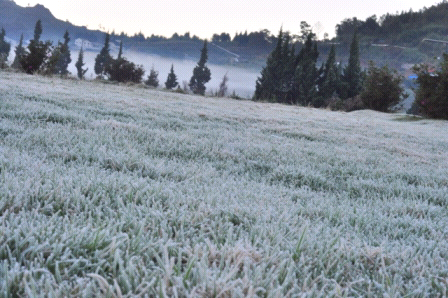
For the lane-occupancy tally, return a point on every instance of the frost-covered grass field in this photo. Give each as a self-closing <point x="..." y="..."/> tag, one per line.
<point x="120" y="191"/>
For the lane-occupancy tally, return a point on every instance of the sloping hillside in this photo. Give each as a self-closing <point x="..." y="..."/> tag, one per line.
<point x="17" y="20"/>
<point x="129" y="191"/>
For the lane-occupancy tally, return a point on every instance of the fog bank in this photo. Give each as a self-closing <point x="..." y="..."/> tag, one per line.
<point x="241" y="80"/>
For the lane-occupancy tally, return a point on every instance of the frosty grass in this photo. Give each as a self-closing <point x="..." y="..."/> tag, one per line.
<point x="120" y="191"/>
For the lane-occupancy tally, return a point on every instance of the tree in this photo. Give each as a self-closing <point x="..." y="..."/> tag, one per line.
<point x="50" y="64"/>
<point x="305" y="31"/>
<point x="122" y="70"/>
<point x="5" y="47"/>
<point x="171" y="80"/>
<point x="79" y="64"/>
<point x="268" y="85"/>
<point x="37" y="30"/>
<point x="120" y="51"/>
<point x="288" y="78"/>
<point x="352" y="77"/>
<point x="103" y="59"/>
<point x="201" y="73"/>
<point x="19" y="51"/>
<point x="64" y="56"/>
<point x="152" y="80"/>
<point x="223" y="86"/>
<point x="432" y="93"/>
<point x="331" y="79"/>
<point x="382" y="88"/>
<point x="306" y="74"/>
<point x="37" y="52"/>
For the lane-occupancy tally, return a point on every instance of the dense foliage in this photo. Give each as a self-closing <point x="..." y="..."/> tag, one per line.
<point x="432" y="91"/>
<point x="406" y="28"/>
<point x="295" y="79"/>
<point x="287" y="77"/>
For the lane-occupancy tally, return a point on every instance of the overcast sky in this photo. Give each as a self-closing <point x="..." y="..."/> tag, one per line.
<point x="203" y="18"/>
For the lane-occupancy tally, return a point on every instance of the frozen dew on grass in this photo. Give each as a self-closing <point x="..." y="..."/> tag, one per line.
<point x="119" y="191"/>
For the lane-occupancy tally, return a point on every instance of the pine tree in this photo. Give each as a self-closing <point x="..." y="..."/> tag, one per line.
<point x="306" y="74"/>
<point x="37" y="52"/>
<point x="5" y="47"/>
<point x="171" y="80"/>
<point x="152" y="80"/>
<point x="79" y="64"/>
<point x="223" y="86"/>
<point x="201" y="73"/>
<point x="268" y="84"/>
<point x="120" y="52"/>
<point x="330" y="82"/>
<point x="37" y="31"/>
<point x="352" y="73"/>
<point x="287" y="65"/>
<point x="19" y="51"/>
<point x="103" y="59"/>
<point x="64" y="56"/>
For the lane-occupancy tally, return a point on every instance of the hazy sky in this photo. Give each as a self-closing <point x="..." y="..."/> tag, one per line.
<point x="203" y="18"/>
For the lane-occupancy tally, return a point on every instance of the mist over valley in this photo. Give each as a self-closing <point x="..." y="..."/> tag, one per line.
<point x="241" y="80"/>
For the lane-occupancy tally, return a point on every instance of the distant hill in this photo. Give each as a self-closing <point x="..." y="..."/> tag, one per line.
<point x="401" y="37"/>
<point x="17" y="20"/>
<point x="391" y="39"/>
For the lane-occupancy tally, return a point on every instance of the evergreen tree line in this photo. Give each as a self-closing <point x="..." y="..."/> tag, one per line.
<point x="122" y="70"/>
<point x="43" y="57"/>
<point x="295" y="78"/>
<point x="408" y="27"/>
<point x="38" y="56"/>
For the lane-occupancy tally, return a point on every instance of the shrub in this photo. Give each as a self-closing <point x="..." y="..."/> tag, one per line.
<point x="382" y="88"/>
<point x="432" y="93"/>
<point x="347" y="105"/>
<point x="153" y="80"/>
<point x="121" y="70"/>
